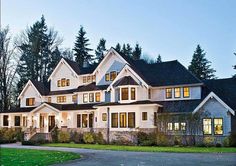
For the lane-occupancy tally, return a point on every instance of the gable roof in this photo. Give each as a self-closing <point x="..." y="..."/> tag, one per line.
<point x="91" y="87"/>
<point x="41" y="87"/>
<point x="127" y="80"/>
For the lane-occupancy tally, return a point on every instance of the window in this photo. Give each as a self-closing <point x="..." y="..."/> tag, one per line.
<point x="155" y="119"/>
<point x="41" y="122"/>
<point x="84" y="120"/>
<point x="63" y="82"/>
<point x="74" y="98"/>
<point x="88" y="78"/>
<point x="131" y="119"/>
<point x="169" y="126"/>
<point x="123" y="120"/>
<point x="144" y="115"/>
<point x="90" y="120"/>
<point x="168" y="93"/>
<point x="218" y="126"/>
<point x="176" y="126"/>
<point x="58" y="83"/>
<point x="61" y="99"/>
<point x="91" y="97"/>
<point x="207" y="126"/>
<point x="149" y="94"/>
<point x="112" y="75"/>
<point x="30" y="101"/>
<point x="79" y="121"/>
<point x="94" y="78"/>
<point x="124" y="93"/>
<point x="107" y="77"/>
<point x="186" y="92"/>
<point x="49" y="99"/>
<point x="114" y="120"/>
<point x="177" y="93"/>
<point x="5" y="120"/>
<point x="85" y="97"/>
<point x="132" y="93"/>
<point x="17" y="120"/>
<point x="84" y="79"/>
<point x="183" y="126"/>
<point x="24" y="121"/>
<point x="68" y="82"/>
<point x="104" y="117"/>
<point x="97" y="95"/>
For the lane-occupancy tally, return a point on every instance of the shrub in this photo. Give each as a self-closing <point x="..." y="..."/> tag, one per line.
<point x="177" y="140"/>
<point x="232" y="139"/>
<point x="218" y="144"/>
<point x="226" y="142"/>
<point x="9" y="135"/>
<point x="208" y="141"/>
<point x="121" y="141"/>
<point x="63" y="137"/>
<point x="88" y="138"/>
<point x="162" y="139"/>
<point x="141" y="137"/>
<point x="98" y="138"/>
<point x="76" y="137"/>
<point x="55" y="134"/>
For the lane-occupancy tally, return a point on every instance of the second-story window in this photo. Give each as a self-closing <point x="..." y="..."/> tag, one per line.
<point x="30" y="101"/>
<point x="112" y="75"/>
<point x="124" y="94"/>
<point x="91" y="97"/>
<point x="177" y="92"/>
<point x="63" y="82"/>
<point x="74" y="98"/>
<point x="67" y="82"/>
<point x="84" y="79"/>
<point x="61" y="99"/>
<point x="97" y="95"/>
<point x="49" y="99"/>
<point x="107" y="77"/>
<point x="58" y="83"/>
<point x="133" y="96"/>
<point x="149" y="94"/>
<point x="186" y="92"/>
<point x="168" y="93"/>
<point x="89" y="79"/>
<point x="85" y="97"/>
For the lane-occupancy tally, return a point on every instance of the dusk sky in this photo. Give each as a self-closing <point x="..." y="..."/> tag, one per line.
<point x="171" y="28"/>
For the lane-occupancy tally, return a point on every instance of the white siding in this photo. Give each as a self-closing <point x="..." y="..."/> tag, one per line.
<point x="30" y="92"/>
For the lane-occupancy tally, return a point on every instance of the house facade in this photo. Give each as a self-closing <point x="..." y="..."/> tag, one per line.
<point x="120" y="96"/>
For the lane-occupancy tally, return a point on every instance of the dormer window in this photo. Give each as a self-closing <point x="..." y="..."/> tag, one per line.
<point x="177" y="92"/>
<point x="124" y="93"/>
<point x="168" y="93"/>
<point x="133" y="94"/>
<point x="59" y="83"/>
<point x="67" y="82"/>
<point x="107" y="77"/>
<point x="30" y="101"/>
<point x="112" y="75"/>
<point x="186" y="92"/>
<point x="63" y="82"/>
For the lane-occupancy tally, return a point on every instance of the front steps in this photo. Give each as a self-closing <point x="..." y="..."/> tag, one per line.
<point x="41" y="137"/>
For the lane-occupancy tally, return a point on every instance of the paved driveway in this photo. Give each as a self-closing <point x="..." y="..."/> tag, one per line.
<point x="122" y="158"/>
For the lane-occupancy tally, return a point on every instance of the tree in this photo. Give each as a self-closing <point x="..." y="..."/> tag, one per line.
<point x="81" y="48"/>
<point x="101" y="49"/>
<point x="118" y="47"/>
<point x="8" y="63"/>
<point x="126" y="50"/>
<point x="137" y="52"/>
<point x="234" y="67"/>
<point x="200" y="66"/>
<point x="159" y="60"/>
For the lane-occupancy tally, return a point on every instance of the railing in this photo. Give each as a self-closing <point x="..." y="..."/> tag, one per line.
<point x="29" y="133"/>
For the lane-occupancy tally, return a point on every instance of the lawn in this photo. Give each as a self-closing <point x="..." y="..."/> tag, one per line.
<point x="147" y="148"/>
<point x="28" y="157"/>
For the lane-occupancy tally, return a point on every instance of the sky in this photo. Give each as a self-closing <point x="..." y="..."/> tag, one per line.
<point x="171" y="28"/>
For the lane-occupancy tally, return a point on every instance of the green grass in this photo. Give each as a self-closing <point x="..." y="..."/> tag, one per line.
<point x="28" y="157"/>
<point x="147" y="148"/>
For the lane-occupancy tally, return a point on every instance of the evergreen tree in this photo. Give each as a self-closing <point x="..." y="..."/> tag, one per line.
<point x="81" y="48"/>
<point x="118" y="47"/>
<point x="55" y="58"/>
<point x="101" y="49"/>
<point x="126" y="50"/>
<point x="159" y="60"/>
<point x="137" y="52"/>
<point x="200" y="66"/>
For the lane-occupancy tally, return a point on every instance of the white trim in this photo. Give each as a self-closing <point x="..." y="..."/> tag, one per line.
<point x="62" y="61"/>
<point x="129" y="104"/>
<point x="211" y="95"/>
<point x="26" y="86"/>
<point x="47" y="105"/>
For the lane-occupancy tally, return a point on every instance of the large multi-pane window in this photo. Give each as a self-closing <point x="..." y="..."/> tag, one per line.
<point x="124" y="93"/>
<point x="5" y="120"/>
<point x="133" y="96"/>
<point x="114" y="120"/>
<point x="30" y="101"/>
<point x="61" y="99"/>
<point x="123" y="120"/>
<point x="131" y="120"/>
<point x="168" y="93"/>
<point x="17" y="120"/>
<point x="218" y="126"/>
<point x="186" y="92"/>
<point x="85" y="97"/>
<point x="177" y="92"/>
<point x="63" y="82"/>
<point x="207" y="129"/>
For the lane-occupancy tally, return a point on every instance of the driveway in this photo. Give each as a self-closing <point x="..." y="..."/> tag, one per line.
<point x="123" y="158"/>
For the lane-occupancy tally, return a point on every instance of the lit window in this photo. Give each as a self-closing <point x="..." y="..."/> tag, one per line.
<point x="61" y="99"/>
<point x="183" y="126"/>
<point x="94" y="78"/>
<point x="123" y="120"/>
<point x="177" y="93"/>
<point x="168" y="93"/>
<point x="207" y="126"/>
<point x="124" y="93"/>
<point x="176" y="126"/>
<point x="114" y="120"/>
<point x="84" y="79"/>
<point x="74" y="98"/>
<point x="186" y="92"/>
<point x="169" y="126"/>
<point x="58" y="83"/>
<point x="85" y="97"/>
<point x="30" y="101"/>
<point x="79" y="121"/>
<point x="5" y="120"/>
<point x="49" y="99"/>
<point x="91" y="97"/>
<point x="17" y="120"/>
<point x="218" y="126"/>
<point x="84" y="120"/>
<point x="107" y="77"/>
<point x="63" y="82"/>
<point x="104" y="117"/>
<point x="144" y="115"/>
<point x="132" y="93"/>
<point x="68" y="82"/>
<point x="131" y="120"/>
<point x="149" y="94"/>
<point x="89" y="79"/>
<point x="112" y="75"/>
<point x="97" y="97"/>
<point x="24" y="121"/>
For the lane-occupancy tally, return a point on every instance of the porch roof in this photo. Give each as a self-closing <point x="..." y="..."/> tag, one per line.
<point x="70" y="107"/>
<point x="19" y="109"/>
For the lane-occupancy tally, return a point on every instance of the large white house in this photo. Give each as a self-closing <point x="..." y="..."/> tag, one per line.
<point x="121" y="96"/>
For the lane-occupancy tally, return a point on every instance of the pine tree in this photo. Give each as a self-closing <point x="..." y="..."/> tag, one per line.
<point x="126" y="50"/>
<point x="81" y="48"/>
<point x="137" y="52"/>
<point x="159" y="60"/>
<point x="101" y="49"/>
<point x="118" y="47"/>
<point x="200" y="66"/>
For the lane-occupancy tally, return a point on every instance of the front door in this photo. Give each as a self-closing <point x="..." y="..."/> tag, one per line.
<point x="51" y="123"/>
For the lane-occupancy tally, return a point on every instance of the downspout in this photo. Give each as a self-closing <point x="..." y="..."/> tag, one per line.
<point x="108" y="125"/>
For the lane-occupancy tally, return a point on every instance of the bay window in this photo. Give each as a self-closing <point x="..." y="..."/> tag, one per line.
<point x="132" y="93"/>
<point x="124" y="93"/>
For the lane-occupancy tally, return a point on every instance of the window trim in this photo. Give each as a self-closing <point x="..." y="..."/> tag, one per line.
<point x="222" y="126"/>
<point x="179" y="92"/>
<point x="144" y="116"/>
<point x="91" y="97"/>
<point x="27" y="102"/>
<point x="3" y="123"/>
<point x="122" y="98"/>
<point x="85" y="94"/>
<point x="171" y="91"/>
<point x="117" y="123"/>
<point x="203" y="126"/>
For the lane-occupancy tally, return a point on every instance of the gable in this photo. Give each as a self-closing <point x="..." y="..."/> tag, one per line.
<point x="29" y="90"/>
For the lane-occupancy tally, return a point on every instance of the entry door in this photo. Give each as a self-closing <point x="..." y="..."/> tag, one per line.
<point x="51" y="123"/>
